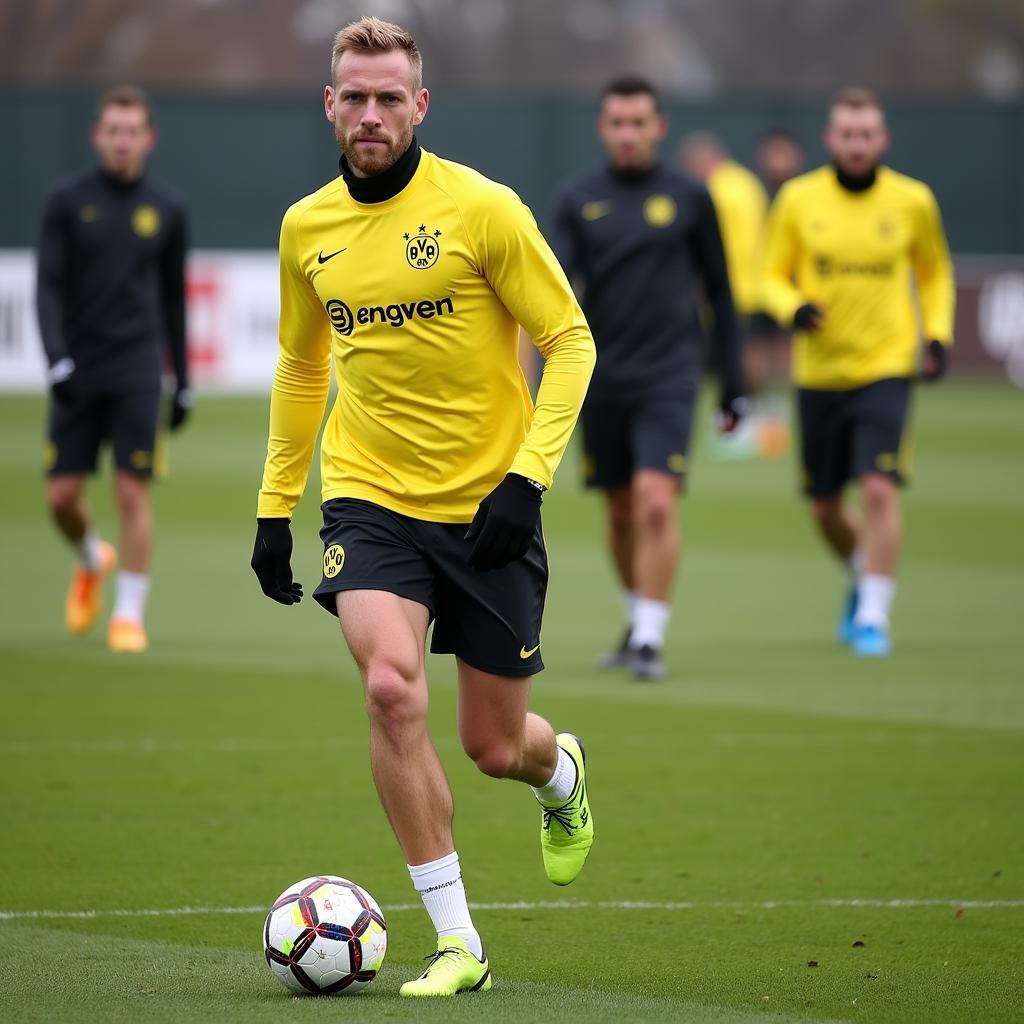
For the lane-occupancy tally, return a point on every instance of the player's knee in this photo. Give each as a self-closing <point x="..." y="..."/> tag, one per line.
<point x="878" y="492"/>
<point x="498" y="760"/>
<point x="654" y="511"/>
<point x="131" y="494"/>
<point x="393" y="700"/>
<point x="620" y="512"/>
<point x="62" y="494"/>
<point x="825" y="511"/>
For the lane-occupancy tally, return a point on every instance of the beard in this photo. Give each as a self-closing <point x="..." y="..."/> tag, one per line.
<point x="369" y="162"/>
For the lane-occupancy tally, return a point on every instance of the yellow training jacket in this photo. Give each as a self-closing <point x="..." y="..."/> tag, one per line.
<point x="742" y="206"/>
<point x="853" y="253"/>
<point x="416" y="299"/>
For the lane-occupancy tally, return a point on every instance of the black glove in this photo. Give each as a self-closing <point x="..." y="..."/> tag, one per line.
<point x="809" y="317"/>
<point x="60" y="377"/>
<point x="505" y="522"/>
<point x="181" y="406"/>
<point x="936" y="361"/>
<point x="272" y="560"/>
<point x="732" y="407"/>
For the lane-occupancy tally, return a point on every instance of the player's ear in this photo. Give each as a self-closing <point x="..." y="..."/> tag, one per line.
<point x="662" y="126"/>
<point x="329" y="103"/>
<point x="422" y="103"/>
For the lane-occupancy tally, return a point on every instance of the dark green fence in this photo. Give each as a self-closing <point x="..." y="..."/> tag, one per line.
<point x="240" y="160"/>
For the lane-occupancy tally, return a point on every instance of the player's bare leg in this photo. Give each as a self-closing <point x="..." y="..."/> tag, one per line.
<point x="386" y="635"/>
<point x="837" y="525"/>
<point x="619" y="511"/>
<point x="882" y="542"/>
<point x="127" y="632"/>
<point x="508" y="742"/>
<point x="657" y="545"/>
<point x="65" y="496"/>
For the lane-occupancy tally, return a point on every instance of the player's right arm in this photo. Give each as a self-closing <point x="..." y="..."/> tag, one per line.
<point x="51" y="283"/>
<point x="779" y="293"/>
<point x="297" y="401"/>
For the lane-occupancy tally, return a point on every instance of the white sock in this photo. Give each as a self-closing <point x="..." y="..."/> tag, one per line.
<point x="88" y="549"/>
<point x="439" y="883"/>
<point x="855" y="563"/>
<point x="650" y="622"/>
<point x="132" y="590"/>
<point x="629" y="605"/>
<point x="874" y="596"/>
<point x="559" y="787"/>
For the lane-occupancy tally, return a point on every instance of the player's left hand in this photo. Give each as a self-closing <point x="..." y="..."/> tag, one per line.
<point x="732" y="407"/>
<point x="181" y="406"/>
<point x="505" y="522"/>
<point x="936" y="361"/>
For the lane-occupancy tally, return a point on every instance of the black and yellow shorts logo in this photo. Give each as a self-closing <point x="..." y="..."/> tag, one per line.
<point x="334" y="561"/>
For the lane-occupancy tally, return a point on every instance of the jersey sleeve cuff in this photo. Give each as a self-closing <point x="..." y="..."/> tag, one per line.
<point x="532" y="467"/>
<point x="272" y="506"/>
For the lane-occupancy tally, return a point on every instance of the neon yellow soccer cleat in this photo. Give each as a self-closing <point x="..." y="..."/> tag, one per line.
<point x="567" y="829"/>
<point x="452" y="969"/>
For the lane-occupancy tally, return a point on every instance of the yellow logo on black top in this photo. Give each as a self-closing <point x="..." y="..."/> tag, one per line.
<point x="596" y="210"/>
<point x="334" y="561"/>
<point x="146" y="221"/>
<point x="659" y="211"/>
<point x="87" y="214"/>
<point x="423" y="248"/>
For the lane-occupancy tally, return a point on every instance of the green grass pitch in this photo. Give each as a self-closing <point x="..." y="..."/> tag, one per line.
<point x="784" y="832"/>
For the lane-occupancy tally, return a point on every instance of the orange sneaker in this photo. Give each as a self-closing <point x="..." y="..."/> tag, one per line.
<point x="126" y="636"/>
<point x="85" y="595"/>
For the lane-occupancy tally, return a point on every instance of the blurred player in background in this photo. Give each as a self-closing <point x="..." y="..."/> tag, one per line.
<point x="847" y="243"/>
<point x="411" y="274"/>
<point x="110" y="299"/>
<point x="779" y="158"/>
<point x="742" y="208"/>
<point x="640" y="239"/>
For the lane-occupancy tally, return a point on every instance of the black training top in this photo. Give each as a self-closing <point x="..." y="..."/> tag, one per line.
<point x="641" y="243"/>
<point x="111" y="286"/>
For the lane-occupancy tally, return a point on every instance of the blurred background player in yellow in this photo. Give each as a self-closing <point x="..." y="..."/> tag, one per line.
<point x="847" y="245"/>
<point x="741" y="204"/>
<point x="110" y="299"/>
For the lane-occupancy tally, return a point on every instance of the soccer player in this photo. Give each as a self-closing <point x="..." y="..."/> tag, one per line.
<point x="779" y="158"/>
<point x="410" y="274"/>
<point x="846" y="243"/>
<point x="110" y="299"/>
<point x="640" y="238"/>
<point x="741" y="204"/>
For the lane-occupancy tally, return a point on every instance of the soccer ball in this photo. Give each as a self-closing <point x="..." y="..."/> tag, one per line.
<point x="325" y="935"/>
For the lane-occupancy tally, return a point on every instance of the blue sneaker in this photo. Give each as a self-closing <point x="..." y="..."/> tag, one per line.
<point x="846" y="629"/>
<point x="871" y="641"/>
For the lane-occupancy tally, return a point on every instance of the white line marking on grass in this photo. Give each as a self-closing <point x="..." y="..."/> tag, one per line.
<point x="871" y="904"/>
<point x="142" y="745"/>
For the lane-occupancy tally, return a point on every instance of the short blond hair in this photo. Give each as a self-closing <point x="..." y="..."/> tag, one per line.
<point x="371" y="35"/>
<point x="857" y="98"/>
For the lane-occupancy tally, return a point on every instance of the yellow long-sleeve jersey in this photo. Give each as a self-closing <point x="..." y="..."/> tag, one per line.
<point x="742" y="207"/>
<point x="853" y="254"/>
<point x="416" y="299"/>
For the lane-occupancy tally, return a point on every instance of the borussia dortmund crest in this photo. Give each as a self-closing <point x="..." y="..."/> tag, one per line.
<point x="146" y="221"/>
<point x="423" y="248"/>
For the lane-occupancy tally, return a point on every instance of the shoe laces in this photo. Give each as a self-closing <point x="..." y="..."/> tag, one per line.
<point x="440" y="954"/>
<point x="563" y="815"/>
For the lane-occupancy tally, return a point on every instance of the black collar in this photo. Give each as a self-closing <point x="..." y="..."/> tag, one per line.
<point x="855" y="182"/>
<point x="388" y="183"/>
<point x="629" y="175"/>
<point x="119" y="184"/>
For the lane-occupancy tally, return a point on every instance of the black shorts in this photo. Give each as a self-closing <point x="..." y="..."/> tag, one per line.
<point x="845" y="434"/>
<point x="652" y="432"/>
<point x="127" y="419"/>
<point x="491" y="620"/>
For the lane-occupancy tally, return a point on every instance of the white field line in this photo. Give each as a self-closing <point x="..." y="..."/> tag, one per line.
<point x="739" y="905"/>
<point x="252" y="745"/>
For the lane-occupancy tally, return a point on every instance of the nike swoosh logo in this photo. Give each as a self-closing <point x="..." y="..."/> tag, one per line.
<point x="323" y="259"/>
<point x="597" y="209"/>
<point x="524" y="653"/>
